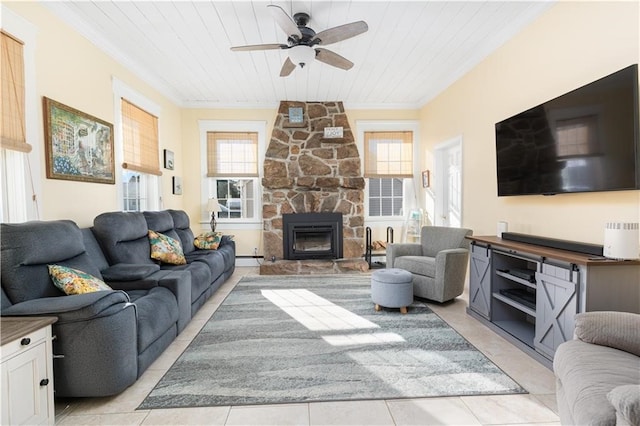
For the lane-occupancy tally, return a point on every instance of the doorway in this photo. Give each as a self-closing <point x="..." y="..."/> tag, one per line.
<point x="448" y="171"/>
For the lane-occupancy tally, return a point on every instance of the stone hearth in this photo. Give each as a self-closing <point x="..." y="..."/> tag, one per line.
<point x="306" y="173"/>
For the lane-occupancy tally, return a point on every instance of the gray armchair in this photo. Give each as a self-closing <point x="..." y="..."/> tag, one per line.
<point x="438" y="263"/>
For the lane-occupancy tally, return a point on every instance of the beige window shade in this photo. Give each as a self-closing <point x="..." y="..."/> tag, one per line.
<point x="12" y="132"/>
<point x="388" y="154"/>
<point x="232" y="154"/>
<point x="140" y="140"/>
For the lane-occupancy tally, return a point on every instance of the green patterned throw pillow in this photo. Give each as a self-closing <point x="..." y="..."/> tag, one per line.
<point x="73" y="281"/>
<point x="166" y="249"/>
<point x="208" y="240"/>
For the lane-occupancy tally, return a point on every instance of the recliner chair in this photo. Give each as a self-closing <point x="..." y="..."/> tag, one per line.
<point x="438" y="263"/>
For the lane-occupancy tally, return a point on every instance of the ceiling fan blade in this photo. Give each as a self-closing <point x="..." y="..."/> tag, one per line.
<point x="284" y="21"/>
<point x="333" y="59"/>
<point x="287" y="68"/>
<point x="258" y="47"/>
<point x="342" y="32"/>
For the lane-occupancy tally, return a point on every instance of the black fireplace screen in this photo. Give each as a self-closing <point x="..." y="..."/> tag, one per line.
<point x="312" y="236"/>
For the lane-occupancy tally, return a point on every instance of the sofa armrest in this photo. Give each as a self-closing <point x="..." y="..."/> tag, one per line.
<point x="179" y="283"/>
<point x="402" y="249"/>
<point x="71" y="308"/>
<point x="129" y="271"/>
<point x="618" y="330"/>
<point x="451" y="268"/>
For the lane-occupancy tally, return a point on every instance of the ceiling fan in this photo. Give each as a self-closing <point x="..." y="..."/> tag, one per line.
<point x="302" y="40"/>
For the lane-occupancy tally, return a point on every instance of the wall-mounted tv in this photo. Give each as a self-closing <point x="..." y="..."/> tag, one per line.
<point x="583" y="141"/>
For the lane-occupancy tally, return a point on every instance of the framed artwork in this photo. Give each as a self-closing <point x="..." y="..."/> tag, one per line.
<point x="168" y="159"/>
<point x="78" y="146"/>
<point x="426" y="179"/>
<point x="177" y="185"/>
<point x="295" y="115"/>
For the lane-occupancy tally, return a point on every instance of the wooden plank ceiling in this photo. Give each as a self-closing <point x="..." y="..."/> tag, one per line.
<point x="412" y="51"/>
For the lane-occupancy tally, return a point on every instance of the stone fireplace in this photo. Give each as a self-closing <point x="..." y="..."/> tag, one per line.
<point x="304" y="172"/>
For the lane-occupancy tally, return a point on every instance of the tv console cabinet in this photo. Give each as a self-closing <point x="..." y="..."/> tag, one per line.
<point x="530" y="293"/>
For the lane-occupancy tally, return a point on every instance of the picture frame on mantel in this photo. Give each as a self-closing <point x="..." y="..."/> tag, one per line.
<point x="295" y="118"/>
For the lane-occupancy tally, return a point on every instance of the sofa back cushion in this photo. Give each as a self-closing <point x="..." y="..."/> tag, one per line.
<point x="182" y="226"/>
<point x="28" y="248"/>
<point x="162" y="222"/>
<point x="123" y="237"/>
<point x="438" y="238"/>
<point x="93" y="249"/>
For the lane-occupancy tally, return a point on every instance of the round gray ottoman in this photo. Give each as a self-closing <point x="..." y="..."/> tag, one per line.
<point x="392" y="288"/>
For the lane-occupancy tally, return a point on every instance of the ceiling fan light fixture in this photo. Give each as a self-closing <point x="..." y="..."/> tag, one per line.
<point x="302" y="55"/>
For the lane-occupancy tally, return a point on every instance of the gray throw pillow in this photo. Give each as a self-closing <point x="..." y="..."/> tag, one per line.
<point x="619" y="330"/>
<point x="626" y="400"/>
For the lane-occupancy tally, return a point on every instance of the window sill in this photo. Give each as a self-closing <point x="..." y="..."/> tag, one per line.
<point x="222" y="226"/>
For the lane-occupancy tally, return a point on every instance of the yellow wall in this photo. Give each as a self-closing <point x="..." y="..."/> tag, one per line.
<point x="72" y="71"/>
<point x="571" y="45"/>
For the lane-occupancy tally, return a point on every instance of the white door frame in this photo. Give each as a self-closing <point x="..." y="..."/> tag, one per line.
<point x="441" y="180"/>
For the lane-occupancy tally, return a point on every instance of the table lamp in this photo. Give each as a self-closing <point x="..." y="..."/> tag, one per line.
<point x="214" y="208"/>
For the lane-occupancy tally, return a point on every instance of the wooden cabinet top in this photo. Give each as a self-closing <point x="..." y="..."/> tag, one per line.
<point x="12" y="328"/>
<point x="551" y="253"/>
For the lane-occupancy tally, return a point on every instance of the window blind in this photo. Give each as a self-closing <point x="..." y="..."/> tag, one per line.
<point x="13" y="130"/>
<point x="140" y="140"/>
<point x="388" y="154"/>
<point x="232" y="154"/>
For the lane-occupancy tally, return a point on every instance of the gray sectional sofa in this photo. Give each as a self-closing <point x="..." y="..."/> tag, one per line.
<point x="107" y="339"/>
<point x="598" y="372"/>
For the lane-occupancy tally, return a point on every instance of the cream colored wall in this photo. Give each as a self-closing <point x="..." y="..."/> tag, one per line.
<point x="571" y="45"/>
<point x="71" y="70"/>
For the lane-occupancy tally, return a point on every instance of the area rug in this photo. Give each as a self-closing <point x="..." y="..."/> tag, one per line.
<point x="286" y="339"/>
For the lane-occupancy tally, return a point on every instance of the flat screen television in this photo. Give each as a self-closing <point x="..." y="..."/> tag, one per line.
<point x="583" y="141"/>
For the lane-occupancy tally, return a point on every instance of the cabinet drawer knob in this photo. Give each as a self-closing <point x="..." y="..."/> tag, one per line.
<point x="25" y="341"/>
<point x="44" y="382"/>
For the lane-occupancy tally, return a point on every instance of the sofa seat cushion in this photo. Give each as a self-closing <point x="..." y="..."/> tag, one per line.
<point x="588" y="373"/>
<point x="420" y="265"/>
<point x="213" y="259"/>
<point x="157" y="312"/>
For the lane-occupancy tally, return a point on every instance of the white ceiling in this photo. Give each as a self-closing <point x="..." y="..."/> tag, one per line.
<point x="412" y="51"/>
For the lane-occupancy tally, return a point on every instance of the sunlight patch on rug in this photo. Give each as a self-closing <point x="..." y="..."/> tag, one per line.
<point x="315" y="312"/>
<point x="256" y="350"/>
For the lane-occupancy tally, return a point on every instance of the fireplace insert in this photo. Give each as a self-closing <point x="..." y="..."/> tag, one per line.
<point x="312" y="236"/>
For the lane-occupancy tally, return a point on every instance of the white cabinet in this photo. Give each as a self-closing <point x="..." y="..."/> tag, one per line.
<point x="27" y="371"/>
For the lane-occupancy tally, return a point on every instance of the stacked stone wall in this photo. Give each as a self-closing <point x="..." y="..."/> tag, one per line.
<point x="306" y="173"/>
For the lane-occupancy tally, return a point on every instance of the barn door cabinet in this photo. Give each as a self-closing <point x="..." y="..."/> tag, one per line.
<point x="530" y="294"/>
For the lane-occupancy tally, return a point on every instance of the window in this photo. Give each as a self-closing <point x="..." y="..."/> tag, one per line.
<point x="385" y="197"/>
<point x="141" y="160"/>
<point x="388" y="162"/>
<point x="232" y="162"/>
<point x="18" y="203"/>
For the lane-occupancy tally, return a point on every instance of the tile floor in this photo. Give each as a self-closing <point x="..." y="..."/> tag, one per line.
<point x="536" y="408"/>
